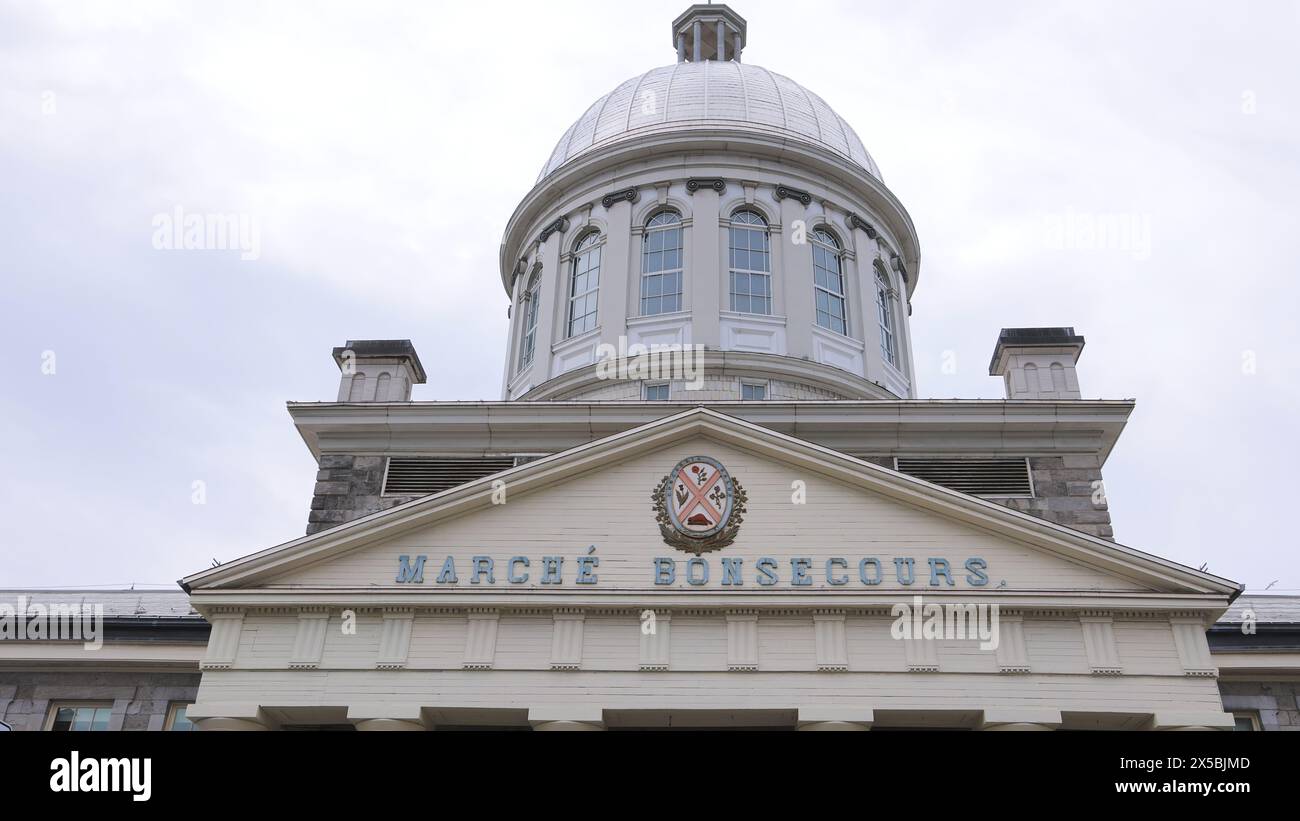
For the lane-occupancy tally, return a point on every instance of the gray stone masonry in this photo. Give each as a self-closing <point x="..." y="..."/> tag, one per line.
<point x="1067" y="491"/>
<point x="140" y="699"/>
<point x="1063" y="492"/>
<point x="1273" y="701"/>
<point x="349" y="487"/>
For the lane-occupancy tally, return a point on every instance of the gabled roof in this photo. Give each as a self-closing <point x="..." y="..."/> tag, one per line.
<point x="1157" y="573"/>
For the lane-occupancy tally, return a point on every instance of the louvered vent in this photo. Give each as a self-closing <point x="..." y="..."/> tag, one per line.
<point x="418" y="476"/>
<point x="978" y="477"/>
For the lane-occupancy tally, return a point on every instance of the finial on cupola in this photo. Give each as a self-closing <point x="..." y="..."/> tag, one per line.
<point x="708" y="32"/>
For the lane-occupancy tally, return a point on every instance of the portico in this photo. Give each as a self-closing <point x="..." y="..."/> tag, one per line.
<point x="329" y="630"/>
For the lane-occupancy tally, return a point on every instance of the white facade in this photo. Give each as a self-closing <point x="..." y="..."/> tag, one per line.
<point x="1093" y="634"/>
<point x="658" y="563"/>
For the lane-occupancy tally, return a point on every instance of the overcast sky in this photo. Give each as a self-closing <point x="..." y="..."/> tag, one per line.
<point x="380" y="148"/>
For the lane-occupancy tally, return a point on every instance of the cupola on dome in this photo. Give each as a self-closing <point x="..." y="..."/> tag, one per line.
<point x="709" y="88"/>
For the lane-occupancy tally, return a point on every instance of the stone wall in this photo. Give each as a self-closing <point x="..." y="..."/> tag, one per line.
<point x="140" y="699"/>
<point x="347" y="488"/>
<point x="1063" y="493"/>
<point x="1274" y="701"/>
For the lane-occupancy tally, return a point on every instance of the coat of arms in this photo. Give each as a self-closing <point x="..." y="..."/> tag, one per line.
<point x="699" y="506"/>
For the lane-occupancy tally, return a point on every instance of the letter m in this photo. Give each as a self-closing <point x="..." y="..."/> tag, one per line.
<point x="408" y="573"/>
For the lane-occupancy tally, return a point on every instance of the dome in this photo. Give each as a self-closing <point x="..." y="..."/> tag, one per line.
<point x="710" y="94"/>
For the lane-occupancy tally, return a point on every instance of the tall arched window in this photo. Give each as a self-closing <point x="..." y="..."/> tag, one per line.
<point x="531" y="298"/>
<point x="584" y="284"/>
<point x="751" y="264"/>
<point x="828" y="283"/>
<point x="661" y="264"/>
<point x="885" y="315"/>
<point x="357" y="389"/>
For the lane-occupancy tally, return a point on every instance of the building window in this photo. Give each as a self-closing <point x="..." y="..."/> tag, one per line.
<point x="885" y="314"/>
<point x="85" y="716"/>
<point x="1246" y="721"/>
<point x="177" y="721"/>
<point x="532" y="297"/>
<point x="751" y="264"/>
<point x="828" y="283"/>
<point x="584" y="284"/>
<point x="656" y="393"/>
<point x="661" y="264"/>
<point x="753" y="391"/>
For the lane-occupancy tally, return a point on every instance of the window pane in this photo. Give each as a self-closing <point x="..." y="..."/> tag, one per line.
<point x="583" y="287"/>
<point x="63" y="719"/>
<point x="661" y="266"/>
<point x="87" y="718"/>
<point x="83" y="718"/>
<point x="181" y="722"/>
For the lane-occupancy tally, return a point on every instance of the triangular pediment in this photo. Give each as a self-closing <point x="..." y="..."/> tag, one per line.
<point x="816" y="522"/>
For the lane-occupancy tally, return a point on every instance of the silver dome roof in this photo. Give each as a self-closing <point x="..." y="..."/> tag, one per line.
<point x="706" y="94"/>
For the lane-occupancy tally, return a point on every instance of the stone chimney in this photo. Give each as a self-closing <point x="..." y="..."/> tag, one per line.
<point x="1038" y="363"/>
<point x="378" y="370"/>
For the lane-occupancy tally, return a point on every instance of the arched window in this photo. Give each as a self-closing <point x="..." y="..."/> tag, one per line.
<point x="661" y="264"/>
<point x="885" y="315"/>
<point x="1059" y="384"/>
<point x="1031" y="379"/>
<point x="584" y="284"/>
<point x="751" y="264"/>
<point x="357" y="389"/>
<point x="828" y="283"/>
<point x="381" y="387"/>
<point x="532" y="296"/>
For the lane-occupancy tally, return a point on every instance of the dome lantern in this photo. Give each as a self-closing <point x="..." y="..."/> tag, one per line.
<point x="709" y="32"/>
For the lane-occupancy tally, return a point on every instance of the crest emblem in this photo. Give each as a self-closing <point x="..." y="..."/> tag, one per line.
<point x="699" y="506"/>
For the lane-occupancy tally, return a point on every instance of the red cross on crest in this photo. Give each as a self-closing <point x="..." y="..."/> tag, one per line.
<point x="698" y="505"/>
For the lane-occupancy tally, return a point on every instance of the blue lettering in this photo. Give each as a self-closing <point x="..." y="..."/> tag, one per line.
<point x="731" y="572"/>
<point x="862" y="571"/>
<point x="408" y="574"/>
<point x="977" y="577"/>
<point x="665" y="571"/>
<point x="448" y="574"/>
<point x="697" y="562"/>
<point x="910" y="564"/>
<point x="482" y="566"/>
<point x="766" y="568"/>
<point x="551" y="569"/>
<point x="586" y="564"/>
<point x="799" y="568"/>
<point x="831" y="564"/>
<point x="940" y="567"/>
<point x="518" y="560"/>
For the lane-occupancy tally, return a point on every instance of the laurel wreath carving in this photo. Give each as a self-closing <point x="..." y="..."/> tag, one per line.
<point x="706" y="544"/>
